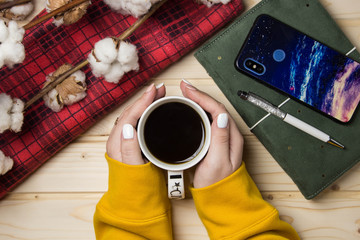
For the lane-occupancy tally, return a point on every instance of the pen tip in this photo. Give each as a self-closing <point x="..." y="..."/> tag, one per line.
<point x="336" y="144"/>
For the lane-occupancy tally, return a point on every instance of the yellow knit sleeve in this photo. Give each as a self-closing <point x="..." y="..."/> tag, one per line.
<point x="233" y="208"/>
<point x="135" y="206"/>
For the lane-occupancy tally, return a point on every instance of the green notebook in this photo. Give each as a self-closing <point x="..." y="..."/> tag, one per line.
<point x="313" y="165"/>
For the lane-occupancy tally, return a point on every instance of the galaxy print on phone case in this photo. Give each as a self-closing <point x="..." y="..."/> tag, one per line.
<point x="302" y="67"/>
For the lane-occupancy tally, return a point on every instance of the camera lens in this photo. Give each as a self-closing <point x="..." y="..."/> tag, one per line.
<point x="254" y="66"/>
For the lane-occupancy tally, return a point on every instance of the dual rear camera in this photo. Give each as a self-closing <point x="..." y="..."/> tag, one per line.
<point x="254" y="66"/>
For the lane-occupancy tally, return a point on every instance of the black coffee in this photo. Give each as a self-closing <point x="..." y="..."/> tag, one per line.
<point x="174" y="133"/>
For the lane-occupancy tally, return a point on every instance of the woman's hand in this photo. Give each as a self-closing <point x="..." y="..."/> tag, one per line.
<point x="122" y="144"/>
<point x="226" y="148"/>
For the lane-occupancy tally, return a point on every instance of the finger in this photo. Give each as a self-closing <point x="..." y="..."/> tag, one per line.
<point x="160" y="91"/>
<point x="220" y="137"/>
<point x="130" y="149"/>
<point x="130" y="115"/>
<point x="236" y="144"/>
<point x="208" y="103"/>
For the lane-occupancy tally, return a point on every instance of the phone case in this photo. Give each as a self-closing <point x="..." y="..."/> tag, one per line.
<point x="311" y="164"/>
<point x="301" y="67"/>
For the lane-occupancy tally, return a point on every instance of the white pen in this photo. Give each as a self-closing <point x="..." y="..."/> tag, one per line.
<point x="303" y="126"/>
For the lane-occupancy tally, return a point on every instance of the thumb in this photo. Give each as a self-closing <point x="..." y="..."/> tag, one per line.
<point x="220" y="136"/>
<point x="130" y="149"/>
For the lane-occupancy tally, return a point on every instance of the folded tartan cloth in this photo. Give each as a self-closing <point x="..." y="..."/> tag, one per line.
<point x="175" y="29"/>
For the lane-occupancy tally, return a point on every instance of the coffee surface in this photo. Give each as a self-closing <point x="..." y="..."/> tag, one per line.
<point x="174" y="133"/>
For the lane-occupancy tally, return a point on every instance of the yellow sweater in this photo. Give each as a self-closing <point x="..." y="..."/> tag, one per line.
<point x="136" y="207"/>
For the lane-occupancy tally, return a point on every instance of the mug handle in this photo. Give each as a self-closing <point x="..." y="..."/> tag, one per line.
<point x="176" y="185"/>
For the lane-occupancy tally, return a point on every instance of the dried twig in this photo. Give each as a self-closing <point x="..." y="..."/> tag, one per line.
<point x="65" y="75"/>
<point x="54" y="13"/>
<point x="6" y="5"/>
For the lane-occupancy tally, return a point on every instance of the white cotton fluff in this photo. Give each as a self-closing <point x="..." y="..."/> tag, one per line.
<point x="56" y="102"/>
<point x="105" y="50"/>
<point x="17" y="116"/>
<point x="11" y="113"/>
<point x="134" y="8"/>
<point x="52" y="101"/>
<point x="21" y="11"/>
<point x="3" y="31"/>
<point x="210" y="3"/>
<point x="124" y="59"/>
<point x="6" y="163"/>
<point x="12" y="51"/>
<point x="127" y="57"/>
<point x="98" y="68"/>
<point x="115" y="73"/>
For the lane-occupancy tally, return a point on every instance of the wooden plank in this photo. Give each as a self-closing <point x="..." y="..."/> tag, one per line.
<point x="69" y="216"/>
<point x="81" y="167"/>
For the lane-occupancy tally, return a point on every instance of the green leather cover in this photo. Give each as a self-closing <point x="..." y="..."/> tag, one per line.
<point x="313" y="165"/>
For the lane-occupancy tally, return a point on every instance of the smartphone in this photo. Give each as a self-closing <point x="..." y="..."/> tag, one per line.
<point x="299" y="66"/>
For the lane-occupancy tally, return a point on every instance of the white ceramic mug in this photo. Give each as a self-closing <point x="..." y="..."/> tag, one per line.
<point x="175" y="171"/>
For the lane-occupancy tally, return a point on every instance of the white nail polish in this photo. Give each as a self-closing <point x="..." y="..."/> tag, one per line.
<point x="128" y="131"/>
<point x="187" y="82"/>
<point x="159" y="85"/>
<point x="222" y="120"/>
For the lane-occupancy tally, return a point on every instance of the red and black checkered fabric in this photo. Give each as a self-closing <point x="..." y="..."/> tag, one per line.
<point x="175" y="29"/>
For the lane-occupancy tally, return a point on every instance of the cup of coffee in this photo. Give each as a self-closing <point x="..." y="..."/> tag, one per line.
<point x="174" y="134"/>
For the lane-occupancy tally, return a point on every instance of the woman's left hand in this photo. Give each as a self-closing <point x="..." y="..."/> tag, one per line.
<point x="122" y="144"/>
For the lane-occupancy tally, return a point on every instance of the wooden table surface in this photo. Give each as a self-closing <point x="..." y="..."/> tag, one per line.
<point x="58" y="200"/>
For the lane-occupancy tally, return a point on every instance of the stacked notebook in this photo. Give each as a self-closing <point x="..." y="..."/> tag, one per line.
<point x="313" y="165"/>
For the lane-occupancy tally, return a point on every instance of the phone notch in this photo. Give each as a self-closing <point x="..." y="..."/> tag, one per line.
<point x="254" y="66"/>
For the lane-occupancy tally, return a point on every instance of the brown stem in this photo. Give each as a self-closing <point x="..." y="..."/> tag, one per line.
<point x="82" y="64"/>
<point x="54" y="83"/>
<point x="12" y="3"/>
<point x="54" y="13"/>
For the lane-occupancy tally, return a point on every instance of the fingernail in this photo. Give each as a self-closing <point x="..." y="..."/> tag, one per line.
<point x="222" y="120"/>
<point x="159" y="85"/>
<point x="188" y="85"/>
<point x="150" y="88"/>
<point x="128" y="131"/>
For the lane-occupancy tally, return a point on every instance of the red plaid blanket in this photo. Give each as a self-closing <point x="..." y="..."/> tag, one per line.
<point x="175" y="29"/>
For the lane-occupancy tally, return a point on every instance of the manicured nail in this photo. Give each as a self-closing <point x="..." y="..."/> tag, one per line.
<point x="150" y="88"/>
<point x="128" y="131"/>
<point x="222" y="120"/>
<point x="188" y="85"/>
<point x="159" y="85"/>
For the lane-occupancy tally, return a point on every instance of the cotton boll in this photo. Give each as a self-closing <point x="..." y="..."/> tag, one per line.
<point x="68" y="92"/>
<point x="135" y="8"/>
<point x="11" y="113"/>
<point x="13" y="53"/>
<point x="5" y="107"/>
<point x="3" y="31"/>
<point x="5" y="121"/>
<point x="73" y="89"/>
<point x="210" y="3"/>
<point x="17" y="116"/>
<point x="127" y="56"/>
<point x="105" y="50"/>
<point x="98" y="68"/>
<point x="52" y="101"/>
<point x="115" y="74"/>
<point x="69" y="17"/>
<point x="19" y="12"/>
<point x="16" y="33"/>
<point x="6" y="163"/>
<point x="5" y="102"/>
